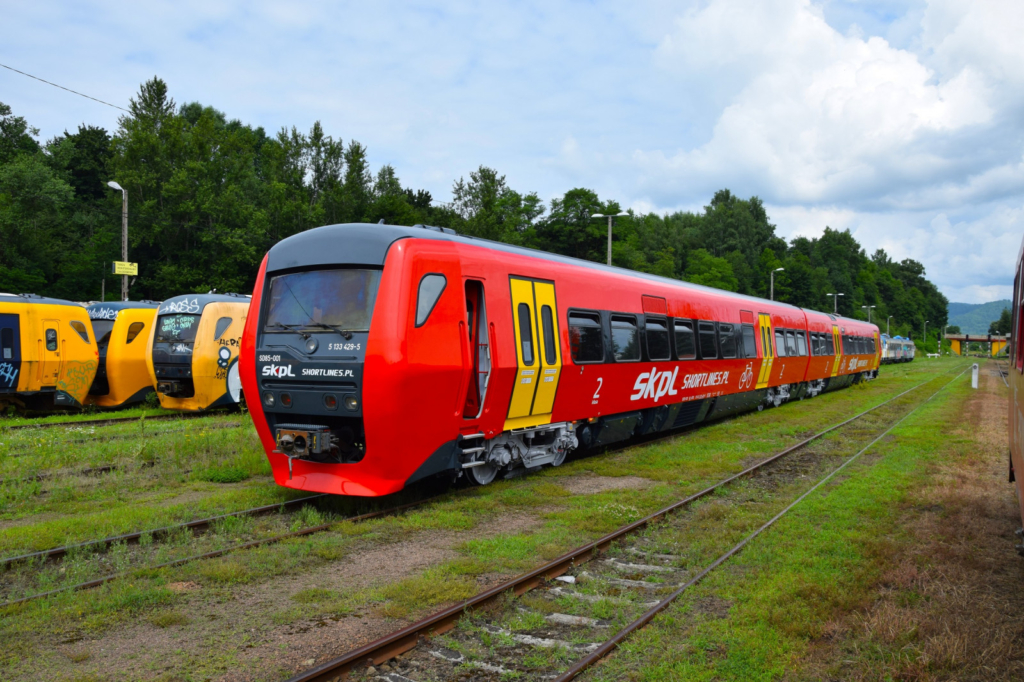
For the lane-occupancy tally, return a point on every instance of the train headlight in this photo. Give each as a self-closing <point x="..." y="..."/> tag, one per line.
<point x="268" y="399"/>
<point x="286" y="400"/>
<point x="331" y="401"/>
<point x="351" y="403"/>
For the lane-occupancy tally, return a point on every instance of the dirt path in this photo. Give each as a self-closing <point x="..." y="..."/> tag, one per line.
<point x="951" y="605"/>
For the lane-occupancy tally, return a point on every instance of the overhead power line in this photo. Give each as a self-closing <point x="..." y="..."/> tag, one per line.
<point x="74" y="92"/>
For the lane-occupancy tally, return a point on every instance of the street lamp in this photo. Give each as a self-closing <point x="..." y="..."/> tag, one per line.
<point x="925" y="334"/>
<point x="610" y="218"/>
<point x="868" y="307"/>
<point x="124" y="234"/>
<point x="835" y="303"/>
<point x="771" y="297"/>
<point x="887" y="325"/>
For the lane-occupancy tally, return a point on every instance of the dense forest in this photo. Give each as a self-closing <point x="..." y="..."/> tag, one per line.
<point x="208" y="195"/>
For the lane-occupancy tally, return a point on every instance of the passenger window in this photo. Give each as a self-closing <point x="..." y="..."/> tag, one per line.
<point x="586" y="341"/>
<point x="801" y="342"/>
<point x="749" y="346"/>
<point x="780" y="343"/>
<point x="727" y="340"/>
<point x="431" y="287"/>
<point x="549" y="334"/>
<point x="7" y="343"/>
<point x="708" y="350"/>
<point x="526" y="334"/>
<point x="791" y="344"/>
<point x="51" y="339"/>
<point x="135" y="327"/>
<point x="222" y="326"/>
<point x="657" y="339"/>
<point x="686" y="349"/>
<point x="625" y="338"/>
<point x="80" y="328"/>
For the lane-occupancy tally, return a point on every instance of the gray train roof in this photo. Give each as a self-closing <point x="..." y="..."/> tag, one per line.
<point x="193" y="304"/>
<point x="368" y="244"/>
<point x="33" y="298"/>
<point x="109" y="311"/>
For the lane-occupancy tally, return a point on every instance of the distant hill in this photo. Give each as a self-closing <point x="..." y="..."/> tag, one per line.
<point x="974" y="318"/>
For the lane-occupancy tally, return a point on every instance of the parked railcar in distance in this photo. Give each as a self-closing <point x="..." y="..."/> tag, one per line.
<point x="375" y="356"/>
<point x="121" y="330"/>
<point x="193" y="351"/>
<point x="48" y="355"/>
<point x="896" y="349"/>
<point x="1015" y="378"/>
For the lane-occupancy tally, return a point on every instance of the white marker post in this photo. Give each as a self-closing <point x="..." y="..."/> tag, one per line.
<point x="974" y="376"/>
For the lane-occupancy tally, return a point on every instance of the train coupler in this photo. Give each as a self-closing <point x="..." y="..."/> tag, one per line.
<point x="297" y="441"/>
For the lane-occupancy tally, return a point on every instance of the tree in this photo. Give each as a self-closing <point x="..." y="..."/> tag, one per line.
<point x="1003" y="325"/>
<point x="703" y="268"/>
<point x="489" y="208"/>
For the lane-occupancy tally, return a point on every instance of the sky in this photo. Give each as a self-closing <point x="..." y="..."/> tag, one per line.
<point x="899" y="120"/>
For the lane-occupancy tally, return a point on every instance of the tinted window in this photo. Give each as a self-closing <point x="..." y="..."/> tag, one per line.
<point x="338" y="298"/>
<point x="625" y="338"/>
<point x="686" y="349"/>
<point x="749" y="346"/>
<point x="51" y="339"/>
<point x="80" y="328"/>
<point x="780" y="343"/>
<point x="585" y="339"/>
<point x="133" y="330"/>
<point x="801" y="342"/>
<point x="526" y="333"/>
<point x="176" y="328"/>
<point x="6" y="343"/>
<point x="101" y="330"/>
<point x="791" y="344"/>
<point x="431" y="287"/>
<point x="222" y="326"/>
<point x="657" y="339"/>
<point x="548" y="325"/>
<point x="706" y="330"/>
<point x="727" y="340"/>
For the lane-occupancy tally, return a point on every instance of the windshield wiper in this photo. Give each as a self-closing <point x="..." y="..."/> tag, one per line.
<point x="282" y="325"/>
<point x="323" y="325"/>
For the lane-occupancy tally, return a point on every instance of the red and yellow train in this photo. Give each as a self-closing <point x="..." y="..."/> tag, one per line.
<point x="1015" y="379"/>
<point x="379" y="355"/>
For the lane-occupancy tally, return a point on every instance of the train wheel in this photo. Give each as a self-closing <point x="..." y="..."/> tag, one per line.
<point x="483" y="474"/>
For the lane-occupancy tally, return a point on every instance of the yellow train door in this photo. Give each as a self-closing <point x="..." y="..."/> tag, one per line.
<point x="764" y="325"/>
<point x="837" y="342"/>
<point x="538" y="355"/>
<point x="49" y="355"/>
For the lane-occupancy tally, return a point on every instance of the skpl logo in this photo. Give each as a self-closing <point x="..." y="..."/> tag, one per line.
<point x="655" y="384"/>
<point x="278" y="371"/>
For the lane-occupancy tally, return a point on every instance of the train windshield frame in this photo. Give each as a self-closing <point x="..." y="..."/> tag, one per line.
<point x="177" y="328"/>
<point x="322" y="300"/>
<point x="102" y="329"/>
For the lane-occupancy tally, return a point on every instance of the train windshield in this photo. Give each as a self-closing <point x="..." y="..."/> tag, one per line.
<point x="177" y="328"/>
<point x="101" y="329"/>
<point x="318" y="299"/>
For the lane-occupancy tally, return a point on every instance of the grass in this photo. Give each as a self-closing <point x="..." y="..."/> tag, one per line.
<point x="785" y="590"/>
<point x="560" y="521"/>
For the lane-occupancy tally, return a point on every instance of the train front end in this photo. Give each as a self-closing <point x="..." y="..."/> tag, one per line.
<point x="324" y="368"/>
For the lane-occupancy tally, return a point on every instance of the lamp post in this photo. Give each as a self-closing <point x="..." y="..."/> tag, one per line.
<point x="924" y="335"/>
<point x="124" y="234"/>
<point x="835" y="303"/>
<point x="771" y="296"/>
<point x="610" y="219"/>
<point x="887" y="325"/>
<point x="868" y="307"/>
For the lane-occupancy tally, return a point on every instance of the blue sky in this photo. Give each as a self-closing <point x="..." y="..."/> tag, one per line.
<point x="901" y="121"/>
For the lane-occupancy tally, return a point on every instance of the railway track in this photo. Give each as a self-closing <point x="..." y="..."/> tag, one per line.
<point x="106" y="422"/>
<point x="195" y="527"/>
<point x="641" y="575"/>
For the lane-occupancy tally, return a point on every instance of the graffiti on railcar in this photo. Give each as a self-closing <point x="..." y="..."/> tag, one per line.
<point x="8" y="375"/>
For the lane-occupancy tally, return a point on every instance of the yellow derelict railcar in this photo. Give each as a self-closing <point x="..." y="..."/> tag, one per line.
<point x="121" y="330"/>
<point x="193" y="351"/>
<point x="48" y="356"/>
